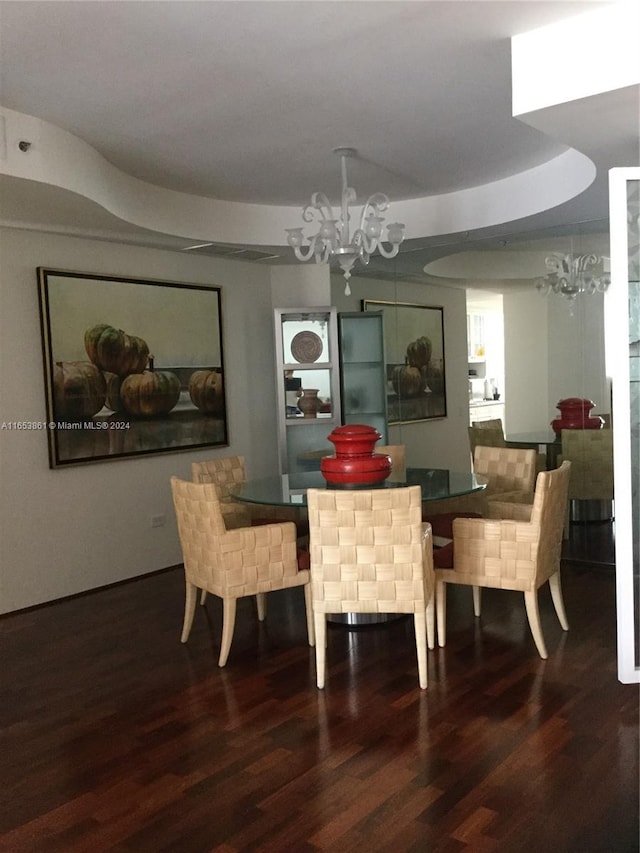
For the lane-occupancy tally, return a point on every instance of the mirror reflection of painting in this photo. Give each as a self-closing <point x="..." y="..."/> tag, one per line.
<point x="414" y="346"/>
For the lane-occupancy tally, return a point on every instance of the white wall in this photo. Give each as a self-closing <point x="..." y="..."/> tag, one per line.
<point x="72" y="529"/>
<point x="551" y="354"/>
<point x="526" y="362"/>
<point x="576" y="341"/>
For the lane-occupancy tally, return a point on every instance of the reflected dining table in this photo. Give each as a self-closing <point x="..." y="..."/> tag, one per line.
<point x="291" y="490"/>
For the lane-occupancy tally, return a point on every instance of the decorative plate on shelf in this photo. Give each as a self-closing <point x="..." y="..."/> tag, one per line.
<point x="306" y="347"/>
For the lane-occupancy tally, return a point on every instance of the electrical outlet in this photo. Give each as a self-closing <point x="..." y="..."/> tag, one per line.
<point x="158" y="520"/>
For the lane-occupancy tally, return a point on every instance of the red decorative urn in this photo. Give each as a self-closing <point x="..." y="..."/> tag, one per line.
<point x="355" y="462"/>
<point x="574" y="414"/>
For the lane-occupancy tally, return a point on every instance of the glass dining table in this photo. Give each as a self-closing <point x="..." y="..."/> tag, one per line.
<point x="291" y="489"/>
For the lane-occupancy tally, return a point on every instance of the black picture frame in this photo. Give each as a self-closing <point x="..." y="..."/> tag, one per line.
<point x="120" y="359"/>
<point x="416" y="380"/>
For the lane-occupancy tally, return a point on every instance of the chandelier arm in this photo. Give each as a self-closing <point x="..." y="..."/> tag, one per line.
<point x="362" y="243"/>
<point x="388" y="253"/>
<point x="319" y="204"/>
<point x="376" y="204"/>
<point x="312" y="249"/>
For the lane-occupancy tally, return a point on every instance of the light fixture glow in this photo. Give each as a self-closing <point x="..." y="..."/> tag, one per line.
<point x="333" y="240"/>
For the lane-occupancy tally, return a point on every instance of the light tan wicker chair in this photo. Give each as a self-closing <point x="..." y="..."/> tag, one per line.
<point x="487" y="436"/>
<point x="590" y="452"/>
<point x="510" y="473"/>
<point x="497" y="439"/>
<point x="225" y="472"/>
<point x="512" y="554"/>
<point x="490" y="423"/>
<point x="371" y="553"/>
<point x="228" y="471"/>
<point x="398" y="462"/>
<point x="232" y="563"/>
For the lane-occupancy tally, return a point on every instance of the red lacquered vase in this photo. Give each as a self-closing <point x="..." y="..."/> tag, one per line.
<point x="355" y="462"/>
<point x="574" y="414"/>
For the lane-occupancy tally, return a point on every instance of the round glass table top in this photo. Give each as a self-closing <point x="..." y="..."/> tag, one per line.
<point x="291" y="489"/>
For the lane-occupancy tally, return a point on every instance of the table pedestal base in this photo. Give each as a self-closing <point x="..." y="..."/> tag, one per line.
<point x="357" y="620"/>
<point x="583" y="511"/>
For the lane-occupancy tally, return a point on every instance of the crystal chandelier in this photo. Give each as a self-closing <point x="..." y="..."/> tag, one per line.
<point x="333" y="239"/>
<point x="570" y="275"/>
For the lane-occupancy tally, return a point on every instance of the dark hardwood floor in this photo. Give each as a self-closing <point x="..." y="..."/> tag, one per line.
<point x="117" y="737"/>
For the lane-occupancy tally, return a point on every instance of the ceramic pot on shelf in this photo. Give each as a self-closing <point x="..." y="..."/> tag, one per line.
<point x="308" y="402"/>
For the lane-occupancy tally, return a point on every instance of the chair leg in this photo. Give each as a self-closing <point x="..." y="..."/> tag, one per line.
<point x="477" y="600"/>
<point x="203" y="596"/>
<point x="311" y="634"/>
<point x="419" y="621"/>
<point x="191" y="592"/>
<point x="261" y="601"/>
<point x="431" y="622"/>
<point x="320" y="623"/>
<point x="558" y="601"/>
<point x="533" y="614"/>
<point x="228" y="624"/>
<point x="441" y="611"/>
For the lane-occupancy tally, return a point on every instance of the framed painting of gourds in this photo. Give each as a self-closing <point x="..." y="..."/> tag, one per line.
<point x="414" y="358"/>
<point x="132" y="366"/>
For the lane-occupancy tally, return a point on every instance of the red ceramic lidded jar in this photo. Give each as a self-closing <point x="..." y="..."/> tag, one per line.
<point x="355" y="462"/>
<point x="574" y="414"/>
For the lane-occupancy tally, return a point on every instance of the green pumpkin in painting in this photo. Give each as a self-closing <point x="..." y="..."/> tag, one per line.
<point x="207" y="392"/>
<point x="114" y="351"/>
<point x="154" y="392"/>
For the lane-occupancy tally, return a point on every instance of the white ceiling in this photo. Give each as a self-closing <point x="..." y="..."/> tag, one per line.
<point x="244" y="101"/>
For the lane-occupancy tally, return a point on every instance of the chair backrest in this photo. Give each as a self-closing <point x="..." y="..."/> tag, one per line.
<point x="224" y="472"/>
<point x="200" y="528"/>
<point x="485" y="436"/>
<point x="370" y="552"/>
<point x="507" y="469"/>
<point x="590" y="452"/>
<point x="490" y="423"/>
<point x="397" y="454"/>
<point x="548" y="516"/>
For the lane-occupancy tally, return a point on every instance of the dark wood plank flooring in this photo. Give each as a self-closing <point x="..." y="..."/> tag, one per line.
<point x="117" y="737"/>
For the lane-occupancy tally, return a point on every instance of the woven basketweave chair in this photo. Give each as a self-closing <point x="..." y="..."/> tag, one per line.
<point x="397" y="454"/>
<point x="510" y="476"/>
<point x="512" y="554"/>
<point x="224" y="472"/>
<point x="232" y="563"/>
<point x="231" y="470"/>
<point x="370" y="553"/>
<point x="496" y="438"/>
<point x="227" y="471"/>
<point x="489" y="436"/>
<point x="510" y="472"/>
<point x="590" y="452"/>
